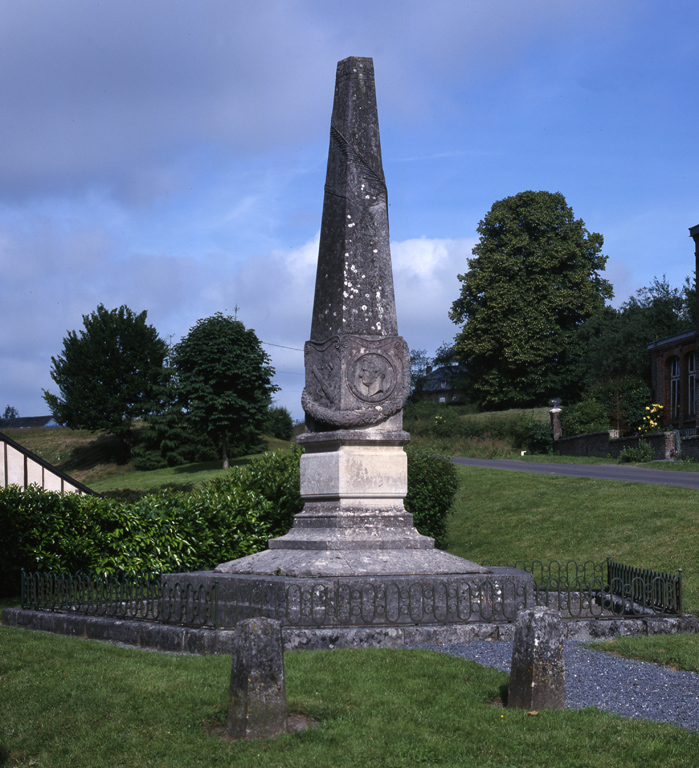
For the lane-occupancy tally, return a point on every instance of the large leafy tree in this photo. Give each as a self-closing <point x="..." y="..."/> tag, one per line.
<point x="224" y="380"/>
<point x="534" y="278"/>
<point x="107" y="373"/>
<point x="167" y="437"/>
<point x="615" y="342"/>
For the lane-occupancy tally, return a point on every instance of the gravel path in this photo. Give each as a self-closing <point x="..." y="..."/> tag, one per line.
<point x="594" y="679"/>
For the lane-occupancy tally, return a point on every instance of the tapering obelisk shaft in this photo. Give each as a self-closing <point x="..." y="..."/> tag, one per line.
<point x="357" y="367"/>
<point x="354" y="283"/>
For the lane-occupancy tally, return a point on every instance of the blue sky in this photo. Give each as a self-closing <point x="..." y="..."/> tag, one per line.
<point x="171" y="155"/>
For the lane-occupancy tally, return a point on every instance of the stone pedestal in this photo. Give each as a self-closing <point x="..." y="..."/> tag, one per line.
<point x="555" y="416"/>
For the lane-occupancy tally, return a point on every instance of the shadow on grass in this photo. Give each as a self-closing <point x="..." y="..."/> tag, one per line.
<point x="504" y="691"/>
<point x="103" y="449"/>
<point x="208" y="466"/>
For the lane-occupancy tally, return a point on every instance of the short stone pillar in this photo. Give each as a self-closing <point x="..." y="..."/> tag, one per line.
<point x="257" y="697"/>
<point x="537" y="677"/>
<point x="555" y="414"/>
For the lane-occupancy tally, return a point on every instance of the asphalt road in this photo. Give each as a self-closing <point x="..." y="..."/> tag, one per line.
<point x="624" y="472"/>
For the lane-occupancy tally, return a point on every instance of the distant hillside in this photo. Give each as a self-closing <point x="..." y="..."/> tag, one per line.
<point x="87" y="457"/>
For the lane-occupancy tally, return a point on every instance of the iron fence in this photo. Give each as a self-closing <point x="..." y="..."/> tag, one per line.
<point x="622" y="590"/>
<point x="142" y="597"/>
<point x="588" y="590"/>
<point x="644" y="587"/>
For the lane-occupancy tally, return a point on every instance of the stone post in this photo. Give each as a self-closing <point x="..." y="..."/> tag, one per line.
<point x="537" y="677"/>
<point x="257" y="697"/>
<point x="555" y="414"/>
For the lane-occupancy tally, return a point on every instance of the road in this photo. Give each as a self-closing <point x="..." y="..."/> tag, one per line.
<point x="624" y="472"/>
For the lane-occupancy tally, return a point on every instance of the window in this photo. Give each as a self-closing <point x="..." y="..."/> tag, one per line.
<point x="675" y="388"/>
<point x="691" y="385"/>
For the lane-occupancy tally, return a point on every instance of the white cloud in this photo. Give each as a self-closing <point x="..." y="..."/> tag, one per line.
<point x="426" y="281"/>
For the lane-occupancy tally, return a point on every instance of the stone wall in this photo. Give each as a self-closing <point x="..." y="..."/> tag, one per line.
<point x="690" y="447"/>
<point x="603" y="444"/>
<point x="594" y="444"/>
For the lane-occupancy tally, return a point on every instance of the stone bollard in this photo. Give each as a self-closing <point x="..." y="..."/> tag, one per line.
<point x="555" y="415"/>
<point x="537" y="677"/>
<point x="257" y="698"/>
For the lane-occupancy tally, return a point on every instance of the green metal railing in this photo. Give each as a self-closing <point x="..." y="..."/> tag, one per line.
<point x="140" y="597"/>
<point x="603" y="589"/>
<point x="588" y="590"/>
<point x="645" y="588"/>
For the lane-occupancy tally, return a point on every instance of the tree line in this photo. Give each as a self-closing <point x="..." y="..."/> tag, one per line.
<point x="536" y="324"/>
<point x="534" y="313"/>
<point x="209" y="394"/>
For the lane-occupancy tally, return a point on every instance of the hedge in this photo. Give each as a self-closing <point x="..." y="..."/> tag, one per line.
<point x="229" y="517"/>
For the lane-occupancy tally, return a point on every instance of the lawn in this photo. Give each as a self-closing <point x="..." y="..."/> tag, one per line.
<point x="501" y="515"/>
<point x="676" y="651"/>
<point x="70" y="702"/>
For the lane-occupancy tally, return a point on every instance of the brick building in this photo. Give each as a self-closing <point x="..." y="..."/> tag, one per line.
<point x="674" y="367"/>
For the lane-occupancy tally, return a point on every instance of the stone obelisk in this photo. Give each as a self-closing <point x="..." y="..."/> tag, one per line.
<point x="354" y="468"/>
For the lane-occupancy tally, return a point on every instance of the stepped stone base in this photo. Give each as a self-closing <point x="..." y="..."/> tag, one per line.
<point x="177" y="639"/>
<point x="361" y="562"/>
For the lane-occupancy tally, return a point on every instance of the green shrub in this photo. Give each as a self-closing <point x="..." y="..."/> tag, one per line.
<point x="165" y="531"/>
<point x="432" y="486"/>
<point x="273" y="476"/>
<point x="540" y="438"/>
<point x="583" y="418"/>
<point x="161" y="532"/>
<point x="624" y="401"/>
<point x="643" y="452"/>
<point x="229" y="517"/>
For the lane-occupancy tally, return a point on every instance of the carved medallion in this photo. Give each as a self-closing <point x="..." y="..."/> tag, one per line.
<point x="356" y="381"/>
<point x="372" y="378"/>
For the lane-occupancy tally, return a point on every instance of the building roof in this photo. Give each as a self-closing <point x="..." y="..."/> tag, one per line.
<point x="22" y="422"/>
<point x="672" y="339"/>
<point x="444" y="377"/>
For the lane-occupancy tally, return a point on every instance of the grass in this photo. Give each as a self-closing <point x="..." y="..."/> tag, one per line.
<point x="674" y="466"/>
<point x="457" y="431"/>
<point x="676" y="651"/>
<point x="196" y="474"/>
<point x="554" y="459"/>
<point x="144" y="481"/>
<point x="88" y="458"/>
<point x="127" y="708"/>
<point x="501" y="515"/>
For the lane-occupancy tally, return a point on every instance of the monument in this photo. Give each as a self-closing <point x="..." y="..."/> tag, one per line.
<point x="353" y="556"/>
<point x="354" y="469"/>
